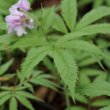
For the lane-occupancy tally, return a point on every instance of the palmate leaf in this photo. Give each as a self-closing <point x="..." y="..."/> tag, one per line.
<point x="67" y="68"/>
<point x="81" y="98"/>
<point x="88" y="60"/>
<point x="71" y="36"/>
<point x="47" y="19"/>
<point x="34" y="57"/>
<point x="44" y="82"/>
<point x="24" y="101"/>
<point x="102" y="28"/>
<point x="88" y="30"/>
<point x="13" y="104"/>
<point x="86" y="74"/>
<point x="93" y="16"/>
<point x="92" y="72"/>
<point x="81" y="45"/>
<point x="18" y="88"/>
<point x="29" y="41"/>
<point x="49" y="64"/>
<point x="69" y="12"/>
<point x="4" y="93"/>
<point x="4" y="99"/>
<point x="94" y="89"/>
<point x="59" y="24"/>
<point x="4" y="67"/>
<point x="27" y="95"/>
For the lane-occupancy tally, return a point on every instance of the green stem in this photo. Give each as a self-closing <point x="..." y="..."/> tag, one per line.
<point x="89" y="103"/>
<point x="67" y="98"/>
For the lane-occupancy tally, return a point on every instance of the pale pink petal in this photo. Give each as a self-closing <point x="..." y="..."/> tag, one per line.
<point x="20" y="31"/>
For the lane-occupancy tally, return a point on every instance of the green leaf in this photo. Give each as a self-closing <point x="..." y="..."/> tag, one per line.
<point x="89" y="30"/>
<point x="4" y="6"/>
<point x="82" y="3"/>
<point x="27" y="95"/>
<point x="29" y="41"/>
<point x="5" y="39"/>
<point x="13" y="104"/>
<point x="69" y="12"/>
<point x="106" y="108"/>
<point x="67" y="68"/>
<point x="93" y="16"/>
<point x="84" y="79"/>
<point x="92" y="72"/>
<point x="88" y="60"/>
<point x="4" y="93"/>
<point x="94" y="89"/>
<point x="34" y="57"/>
<point x="96" y="29"/>
<point x="81" y="45"/>
<point x="59" y="24"/>
<point x="4" y="67"/>
<point x="24" y="101"/>
<point x="4" y="99"/>
<point x="3" y="26"/>
<point x="81" y="98"/>
<point x="49" y="64"/>
<point x="70" y="36"/>
<point x="98" y="3"/>
<point x="44" y="82"/>
<point x="48" y="18"/>
<point x="101" y="102"/>
<point x="1" y="18"/>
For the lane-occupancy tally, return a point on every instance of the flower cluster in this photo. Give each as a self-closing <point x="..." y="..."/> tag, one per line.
<point x="18" y="20"/>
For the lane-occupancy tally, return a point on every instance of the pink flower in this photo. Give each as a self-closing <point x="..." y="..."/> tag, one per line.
<point x="18" y="21"/>
<point x="21" y="5"/>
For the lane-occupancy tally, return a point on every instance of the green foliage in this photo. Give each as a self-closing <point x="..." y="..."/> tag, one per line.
<point x="106" y="108"/>
<point x="59" y="24"/>
<point x="92" y="16"/>
<point x="81" y="45"/>
<point x="61" y="52"/>
<point x="69" y="12"/>
<point x="101" y="102"/>
<point x="47" y="19"/>
<point x="67" y="68"/>
<point x="4" y="67"/>
<point x="35" y="56"/>
<point x="13" y="103"/>
<point x="3" y="26"/>
<point x="24" y="101"/>
<point x="94" y="89"/>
